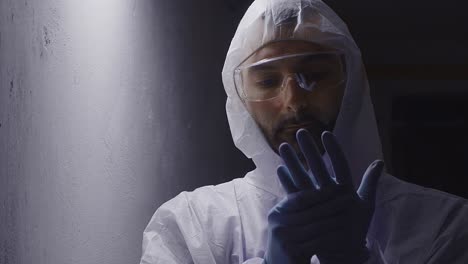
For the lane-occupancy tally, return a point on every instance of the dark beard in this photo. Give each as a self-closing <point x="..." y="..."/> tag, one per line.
<point x="316" y="128"/>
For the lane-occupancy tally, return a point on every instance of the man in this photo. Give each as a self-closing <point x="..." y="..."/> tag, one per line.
<point x="292" y="73"/>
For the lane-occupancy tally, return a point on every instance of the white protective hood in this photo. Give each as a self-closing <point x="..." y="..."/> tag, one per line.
<point x="355" y="127"/>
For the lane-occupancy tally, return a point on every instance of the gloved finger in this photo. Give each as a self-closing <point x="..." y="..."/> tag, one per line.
<point x="299" y="176"/>
<point x="368" y="187"/>
<point x="286" y="179"/>
<point x="338" y="159"/>
<point x="329" y="209"/>
<point x="313" y="158"/>
<point x="301" y="200"/>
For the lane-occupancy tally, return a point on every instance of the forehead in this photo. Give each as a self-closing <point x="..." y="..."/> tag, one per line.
<point x="280" y="48"/>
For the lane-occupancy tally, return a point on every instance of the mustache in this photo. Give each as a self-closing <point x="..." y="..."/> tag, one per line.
<point x="301" y="119"/>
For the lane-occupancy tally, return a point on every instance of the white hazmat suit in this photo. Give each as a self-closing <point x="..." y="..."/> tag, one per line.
<point x="227" y="223"/>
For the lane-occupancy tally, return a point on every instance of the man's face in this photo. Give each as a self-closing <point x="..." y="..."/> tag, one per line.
<point x="294" y="108"/>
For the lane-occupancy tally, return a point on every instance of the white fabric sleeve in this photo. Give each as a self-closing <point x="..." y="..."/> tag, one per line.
<point x="163" y="239"/>
<point x="253" y="261"/>
<point x="162" y="243"/>
<point x="451" y="244"/>
<point x="376" y="254"/>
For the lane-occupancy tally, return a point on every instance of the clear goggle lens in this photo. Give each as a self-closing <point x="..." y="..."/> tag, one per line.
<point x="267" y="78"/>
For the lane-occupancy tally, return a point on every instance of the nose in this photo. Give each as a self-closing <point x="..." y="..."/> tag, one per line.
<point x="295" y="97"/>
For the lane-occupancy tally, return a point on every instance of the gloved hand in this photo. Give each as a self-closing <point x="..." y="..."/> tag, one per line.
<point x="330" y="220"/>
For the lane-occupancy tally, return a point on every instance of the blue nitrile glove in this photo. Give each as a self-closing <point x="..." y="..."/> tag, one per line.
<point x="330" y="222"/>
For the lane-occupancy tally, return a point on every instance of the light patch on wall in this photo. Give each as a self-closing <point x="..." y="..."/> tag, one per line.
<point x="98" y="32"/>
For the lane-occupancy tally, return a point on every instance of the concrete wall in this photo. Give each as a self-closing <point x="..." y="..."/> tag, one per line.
<point x="107" y="110"/>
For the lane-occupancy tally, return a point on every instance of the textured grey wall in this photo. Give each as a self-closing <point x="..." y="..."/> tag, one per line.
<point x="107" y="109"/>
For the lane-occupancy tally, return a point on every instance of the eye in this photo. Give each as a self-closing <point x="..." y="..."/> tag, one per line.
<point x="267" y="81"/>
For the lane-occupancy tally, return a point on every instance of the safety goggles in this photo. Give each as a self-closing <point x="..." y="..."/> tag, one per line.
<point x="267" y="79"/>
